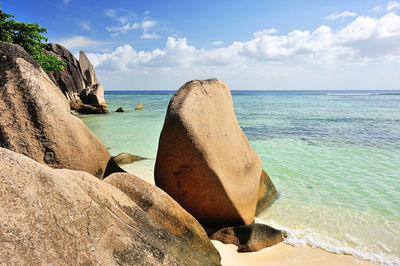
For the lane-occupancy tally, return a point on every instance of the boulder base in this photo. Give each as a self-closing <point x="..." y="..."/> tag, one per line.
<point x="92" y="109"/>
<point x="266" y="194"/>
<point x="165" y="211"/>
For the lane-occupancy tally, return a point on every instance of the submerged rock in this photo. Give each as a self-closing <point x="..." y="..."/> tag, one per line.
<point x="59" y="217"/>
<point x="166" y="212"/>
<point x="204" y="159"/>
<point x="249" y="238"/>
<point x="36" y="119"/>
<point x="126" y="158"/>
<point x="120" y="110"/>
<point x="139" y="106"/>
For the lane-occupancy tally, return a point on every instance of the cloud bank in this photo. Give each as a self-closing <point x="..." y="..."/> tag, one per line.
<point x="364" y="39"/>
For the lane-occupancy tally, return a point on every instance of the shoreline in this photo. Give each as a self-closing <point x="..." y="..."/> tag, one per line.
<point x="279" y="254"/>
<point x="285" y="254"/>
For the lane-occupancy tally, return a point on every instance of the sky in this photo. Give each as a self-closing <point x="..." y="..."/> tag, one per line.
<point x="250" y="45"/>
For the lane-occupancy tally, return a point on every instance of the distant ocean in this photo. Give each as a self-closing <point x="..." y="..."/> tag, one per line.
<point x="334" y="157"/>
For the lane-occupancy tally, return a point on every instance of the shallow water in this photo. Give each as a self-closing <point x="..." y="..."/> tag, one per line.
<point x="334" y="158"/>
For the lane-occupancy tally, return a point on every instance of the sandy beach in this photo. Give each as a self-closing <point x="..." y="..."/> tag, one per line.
<point x="283" y="254"/>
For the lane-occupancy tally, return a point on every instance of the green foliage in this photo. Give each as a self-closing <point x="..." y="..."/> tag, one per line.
<point x="28" y="35"/>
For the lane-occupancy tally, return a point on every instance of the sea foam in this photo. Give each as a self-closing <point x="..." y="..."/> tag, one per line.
<point x="350" y="246"/>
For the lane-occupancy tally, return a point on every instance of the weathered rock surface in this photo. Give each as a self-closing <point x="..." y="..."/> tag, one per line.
<point x="78" y="81"/>
<point x="249" y="238"/>
<point x="266" y="193"/>
<point x="36" y="120"/>
<point x="165" y="211"/>
<point x="93" y="95"/>
<point x="87" y="70"/>
<point x="204" y="160"/>
<point x="126" y="158"/>
<point x="70" y="81"/>
<point x="59" y="216"/>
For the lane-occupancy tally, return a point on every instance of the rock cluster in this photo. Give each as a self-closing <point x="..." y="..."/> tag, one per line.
<point x="63" y="216"/>
<point x="204" y="160"/>
<point x="59" y="216"/>
<point x="36" y="120"/>
<point x="78" y="81"/>
<point x="205" y="164"/>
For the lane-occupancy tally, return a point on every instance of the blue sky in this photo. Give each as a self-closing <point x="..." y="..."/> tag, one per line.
<point x="280" y="45"/>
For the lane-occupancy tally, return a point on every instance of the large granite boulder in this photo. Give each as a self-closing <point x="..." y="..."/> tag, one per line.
<point x="93" y="95"/>
<point x="87" y="70"/>
<point x="63" y="217"/>
<point x="249" y="238"/>
<point x="36" y="119"/>
<point x="204" y="159"/>
<point x="165" y="211"/>
<point x="70" y="81"/>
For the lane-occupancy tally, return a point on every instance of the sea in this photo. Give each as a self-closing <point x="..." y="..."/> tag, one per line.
<point x="334" y="157"/>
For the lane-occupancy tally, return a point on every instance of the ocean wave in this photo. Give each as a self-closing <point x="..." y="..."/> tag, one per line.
<point x="362" y="94"/>
<point x="353" y="245"/>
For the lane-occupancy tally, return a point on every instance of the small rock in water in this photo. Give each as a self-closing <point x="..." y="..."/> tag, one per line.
<point x="120" y="110"/>
<point x="126" y="158"/>
<point x="139" y="106"/>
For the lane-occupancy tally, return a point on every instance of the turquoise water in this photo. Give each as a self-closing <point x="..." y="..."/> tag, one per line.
<point x="334" y="158"/>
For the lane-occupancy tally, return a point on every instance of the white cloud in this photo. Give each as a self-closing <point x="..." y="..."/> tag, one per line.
<point x="217" y="43"/>
<point x="66" y="2"/>
<point x="341" y="15"/>
<point x="265" y="32"/>
<point x="377" y="9"/>
<point x="110" y="13"/>
<point x="127" y="27"/>
<point x="147" y="12"/>
<point x="78" y="42"/>
<point x="85" y="25"/>
<point x="392" y="5"/>
<point x="147" y="24"/>
<point x="149" y="36"/>
<point x="364" y="39"/>
<point x="268" y="55"/>
<point x="125" y="19"/>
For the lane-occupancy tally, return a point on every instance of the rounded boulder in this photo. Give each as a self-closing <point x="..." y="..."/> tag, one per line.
<point x="204" y="160"/>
